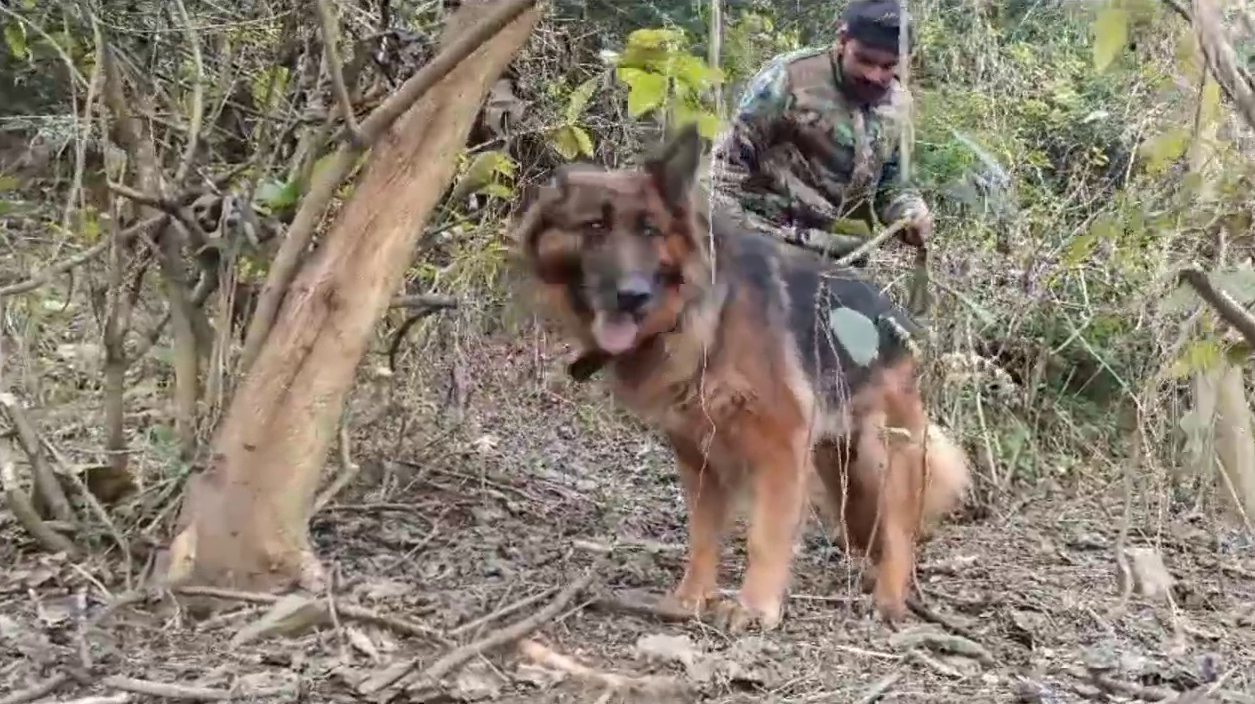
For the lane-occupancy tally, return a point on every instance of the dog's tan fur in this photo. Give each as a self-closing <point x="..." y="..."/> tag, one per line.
<point x="718" y="365"/>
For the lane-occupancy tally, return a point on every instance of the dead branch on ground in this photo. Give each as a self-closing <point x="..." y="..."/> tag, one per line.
<point x="49" y="493"/>
<point x="508" y="634"/>
<point x="24" y="511"/>
<point x="612" y="682"/>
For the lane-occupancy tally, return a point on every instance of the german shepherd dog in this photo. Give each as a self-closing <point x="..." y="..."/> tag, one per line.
<point x="724" y="339"/>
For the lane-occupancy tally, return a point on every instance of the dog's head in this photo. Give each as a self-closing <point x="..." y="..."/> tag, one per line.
<point x="615" y="251"/>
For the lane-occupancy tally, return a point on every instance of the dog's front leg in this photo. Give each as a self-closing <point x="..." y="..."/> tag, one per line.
<point x="779" y="466"/>
<point x="707" y="498"/>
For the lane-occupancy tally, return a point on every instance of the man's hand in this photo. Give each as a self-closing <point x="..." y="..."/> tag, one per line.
<point x="919" y="228"/>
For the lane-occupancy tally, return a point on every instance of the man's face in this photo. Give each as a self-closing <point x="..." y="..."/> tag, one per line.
<point x="869" y="71"/>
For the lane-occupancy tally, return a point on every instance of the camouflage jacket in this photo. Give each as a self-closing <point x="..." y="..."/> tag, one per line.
<point x="801" y="153"/>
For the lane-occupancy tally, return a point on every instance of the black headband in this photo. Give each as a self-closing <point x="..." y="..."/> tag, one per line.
<point x="874" y="23"/>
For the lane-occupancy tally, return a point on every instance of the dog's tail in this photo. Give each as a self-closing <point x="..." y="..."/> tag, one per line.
<point x="948" y="477"/>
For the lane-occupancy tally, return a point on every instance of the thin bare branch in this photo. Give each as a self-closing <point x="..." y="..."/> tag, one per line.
<point x="284" y="267"/>
<point x="198" y="96"/>
<point x="330" y="35"/>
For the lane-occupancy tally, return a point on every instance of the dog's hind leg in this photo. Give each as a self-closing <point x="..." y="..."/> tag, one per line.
<point x="779" y="465"/>
<point x="708" y="500"/>
<point x="900" y="443"/>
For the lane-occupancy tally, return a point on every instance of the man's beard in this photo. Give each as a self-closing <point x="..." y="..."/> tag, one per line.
<point x="864" y="91"/>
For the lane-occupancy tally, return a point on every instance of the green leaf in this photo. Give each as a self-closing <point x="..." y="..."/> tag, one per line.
<point x="261" y="86"/>
<point x="1080" y="248"/>
<point x="708" y="125"/>
<point x="565" y="142"/>
<point x="1111" y="34"/>
<point x="1105" y="228"/>
<point x="666" y="39"/>
<point x="1161" y="151"/>
<point x="856" y="333"/>
<point x="583" y="139"/>
<point x="646" y="90"/>
<point x="482" y="170"/>
<point x="852" y="227"/>
<point x="694" y="72"/>
<point x="707" y="122"/>
<point x="89" y="224"/>
<point x="9" y="183"/>
<point x="279" y="196"/>
<point x="1198" y="356"/>
<point x="579" y="99"/>
<point x="15" y="39"/>
<point x="498" y="190"/>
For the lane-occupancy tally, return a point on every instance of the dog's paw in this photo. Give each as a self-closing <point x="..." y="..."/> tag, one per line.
<point x="691" y="602"/>
<point x="739" y="616"/>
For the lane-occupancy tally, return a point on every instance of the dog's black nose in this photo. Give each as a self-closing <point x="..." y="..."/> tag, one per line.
<point x="633" y="294"/>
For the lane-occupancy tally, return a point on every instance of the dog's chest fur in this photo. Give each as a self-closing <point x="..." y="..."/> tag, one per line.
<point x="758" y="344"/>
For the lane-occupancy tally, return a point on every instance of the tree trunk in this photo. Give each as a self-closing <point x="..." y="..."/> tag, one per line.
<point x="1225" y="443"/>
<point x="244" y="521"/>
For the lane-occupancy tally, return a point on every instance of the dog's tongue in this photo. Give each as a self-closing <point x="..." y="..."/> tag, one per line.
<point x="614" y="336"/>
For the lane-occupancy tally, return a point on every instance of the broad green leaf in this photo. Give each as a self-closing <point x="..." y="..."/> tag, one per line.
<point x="1080" y="248"/>
<point x="646" y="90"/>
<point x="653" y="49"/>
<point x="261" y="86"/>
<point x="1198" y="356"/>
<point x="498" y="190"/>
<point x="851" y="227"/>
<point x="857" y="334"/>
<point x="482" y="170"/>
<point x="1161" y="151"/>
<point x="1111" y="34"/>
<point x="279" y="196"/>
<point x="693" y="71"/>
<point x="707" y="123"/>
<point x="89" y="225"/>
<point x="666" y="39"/>
<point x="579" y="99"/>
<point x="1105" y="228"/>
<point x="15" y="40"/>
<point x="565" y="143"/>
<point x="583" y="139"/>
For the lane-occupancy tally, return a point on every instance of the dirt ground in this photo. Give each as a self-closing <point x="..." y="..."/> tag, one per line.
<point x="542" y="481"/>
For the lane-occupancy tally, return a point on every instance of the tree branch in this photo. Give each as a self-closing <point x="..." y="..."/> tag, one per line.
<point x="284" y="267"/>
<point x="330" y="34"/>
<point x="1228" y="309"/>
<point x="198" y="96"/>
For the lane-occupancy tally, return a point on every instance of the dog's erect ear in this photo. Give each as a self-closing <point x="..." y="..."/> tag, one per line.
<point x="674" y="167"/>
<point x="535" y="203"/>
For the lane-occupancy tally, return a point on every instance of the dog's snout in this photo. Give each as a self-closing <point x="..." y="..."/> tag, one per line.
<point x="633" y="294"/>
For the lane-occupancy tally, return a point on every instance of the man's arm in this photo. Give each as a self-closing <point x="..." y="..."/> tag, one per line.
<point x="765" y="99"/>
<point x="893" y="198"/>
